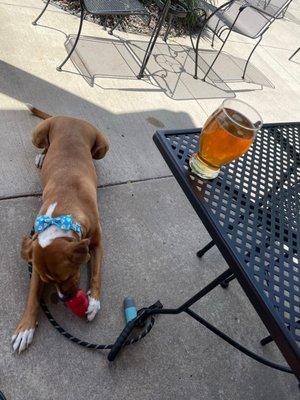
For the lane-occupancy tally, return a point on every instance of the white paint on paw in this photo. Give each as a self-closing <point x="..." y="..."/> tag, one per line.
<point x="22" y="340"/>
<point x="94" y="307"/>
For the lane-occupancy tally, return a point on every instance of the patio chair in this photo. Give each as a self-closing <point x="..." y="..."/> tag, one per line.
<point x="250" y="18"/>
<point x="120" y="8"/>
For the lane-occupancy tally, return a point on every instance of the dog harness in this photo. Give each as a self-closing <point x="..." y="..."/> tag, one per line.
<point x="64" y="222"/>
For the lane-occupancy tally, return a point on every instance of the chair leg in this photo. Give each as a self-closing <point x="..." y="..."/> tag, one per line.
<point x="223" y="44"/>
<point x="247" y="62"/>
<point x="105" y="23"/>
<point x="295" y="52"/>
<point x="168" y="28"/>
<point x="209" y="245"/>
<point x="226" y="281"/>
<point x="213" y="39"/>
<point x="44" y="9"/>
<point x="75" y="43"/>
<point x="120" y="20"/>
<point x="153" y="38"/>
<point x="196" y="50"/>
<point x="190" y="30"/>
<point x="149" y="19"/>
<point x="214" y="34"/>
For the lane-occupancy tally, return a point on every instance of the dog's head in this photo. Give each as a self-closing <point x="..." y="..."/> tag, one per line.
<point x="59" y="263"/>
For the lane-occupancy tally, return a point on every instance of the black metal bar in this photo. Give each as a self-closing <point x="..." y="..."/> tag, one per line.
<point x="209" y="245"/>
<point x="105" y="23"/>
<point x="294" y="53"/>
<point x="225" y="283"/>
<point x="120" y="20"/>
<point x="200" y="33"/>
<point x="218" y="31"/>
<point x="223" y="44"/>
<point x="196" y="49"/>
<point x="216" y="34"/>
<point x="246" y="65"/>
<point x="266" y="340"/>
<point x="190" y="27"/>
<point x="75" y="43"/>
<point x="154" y="37"/>
<point x="168" y="28"/>
<point x="237" y="345"/>
<point x="213" y="39"/>
<point x="42" y="12"/>
<point x="203" y="292"/>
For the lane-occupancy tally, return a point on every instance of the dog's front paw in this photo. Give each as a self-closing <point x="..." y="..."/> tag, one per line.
<point x="23" y="335"/>
<point x="94" y="307"/>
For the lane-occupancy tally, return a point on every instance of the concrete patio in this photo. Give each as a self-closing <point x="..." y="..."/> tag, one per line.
<point x="151" y="232"/>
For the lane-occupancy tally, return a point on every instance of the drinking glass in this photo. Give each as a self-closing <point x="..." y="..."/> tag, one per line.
<point x="226" y="135"/>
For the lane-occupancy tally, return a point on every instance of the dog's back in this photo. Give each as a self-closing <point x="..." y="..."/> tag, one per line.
<point x="71" y="143"/>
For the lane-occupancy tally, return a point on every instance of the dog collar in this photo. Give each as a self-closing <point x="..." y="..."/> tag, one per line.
<point x="64" y="222"/>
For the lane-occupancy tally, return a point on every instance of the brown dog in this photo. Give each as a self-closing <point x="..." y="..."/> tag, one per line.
<point x="69" y="187"/>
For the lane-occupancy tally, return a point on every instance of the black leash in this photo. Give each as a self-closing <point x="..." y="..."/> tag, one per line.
<point x="143" y="322"/>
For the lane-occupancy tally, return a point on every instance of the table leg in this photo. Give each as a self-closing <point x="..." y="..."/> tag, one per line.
<point x="203" y="292"/>
<point x="266" y="340"/>
<point x="226" y="281"/>
<point x="201" y="252"/>
<point x="185" y="307"/>
<point x="154" y="37"/>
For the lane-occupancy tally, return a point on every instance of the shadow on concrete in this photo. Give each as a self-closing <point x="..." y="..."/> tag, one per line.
<point x="170" y="68"/>
<point x="132" y="154"/>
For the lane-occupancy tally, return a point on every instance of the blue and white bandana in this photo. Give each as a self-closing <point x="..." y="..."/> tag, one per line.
<point x="64" y="222"/>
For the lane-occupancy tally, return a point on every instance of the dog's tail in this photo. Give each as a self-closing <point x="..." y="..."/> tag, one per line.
<point x="37" y="112"/>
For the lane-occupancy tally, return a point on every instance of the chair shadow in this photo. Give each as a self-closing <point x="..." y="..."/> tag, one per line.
<point x="38" y="25"/>
<point x="294" y="62"/>
<point x="124" y="128"/>
<point x="170" y="68"/>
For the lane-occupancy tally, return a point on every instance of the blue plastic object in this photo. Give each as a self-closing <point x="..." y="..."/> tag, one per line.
<point x="130" y="310"/>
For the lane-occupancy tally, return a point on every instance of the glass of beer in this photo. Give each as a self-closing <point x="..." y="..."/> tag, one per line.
<point x="227" y="134"/>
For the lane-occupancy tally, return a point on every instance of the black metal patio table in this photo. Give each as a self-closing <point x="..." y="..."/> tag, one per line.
<point x="252" y="214"/>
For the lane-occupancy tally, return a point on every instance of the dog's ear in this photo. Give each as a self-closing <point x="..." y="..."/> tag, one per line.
<point x="26" y="248"/>
<point x="100" y="146"/>
<point x="40" y="134"/>
<point x="79" y="252"/>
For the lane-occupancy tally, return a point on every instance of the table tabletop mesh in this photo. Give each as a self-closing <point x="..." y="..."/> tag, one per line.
<point x="255" y="203"/>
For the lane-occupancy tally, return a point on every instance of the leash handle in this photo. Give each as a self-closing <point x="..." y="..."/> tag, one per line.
<point x="119" y="343"/>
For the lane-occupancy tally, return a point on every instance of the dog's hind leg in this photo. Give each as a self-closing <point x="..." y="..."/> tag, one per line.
<point x="40" y="138"/>
<point x="40" y="134"/>
<point x="100" y="146"/>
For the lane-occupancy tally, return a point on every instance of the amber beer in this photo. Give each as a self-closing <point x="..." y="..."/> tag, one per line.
<point x="226" y="135"/>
